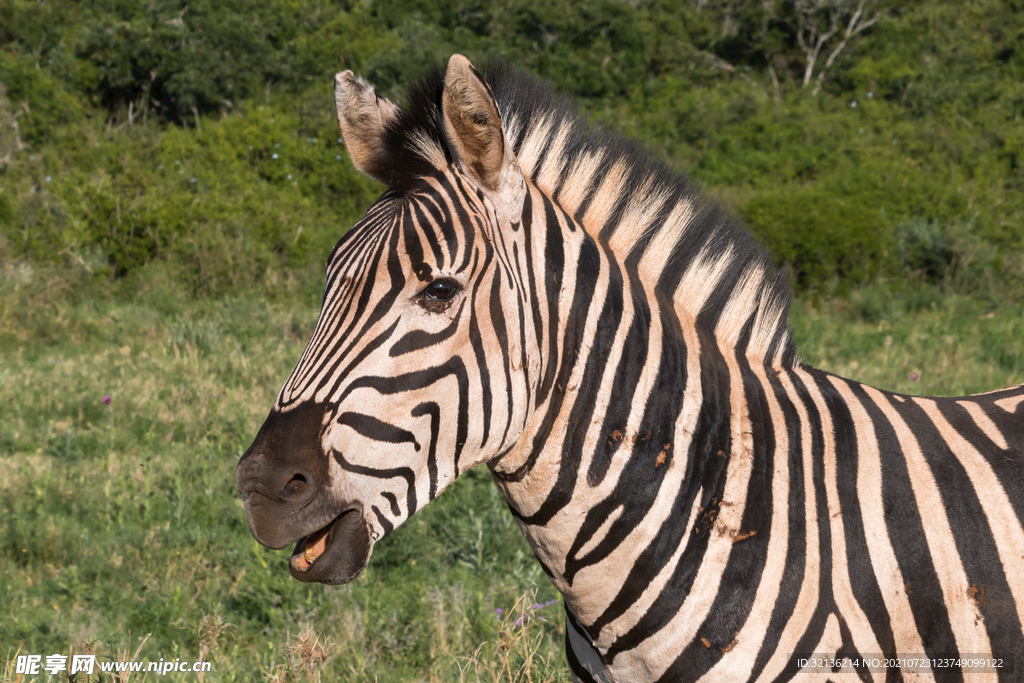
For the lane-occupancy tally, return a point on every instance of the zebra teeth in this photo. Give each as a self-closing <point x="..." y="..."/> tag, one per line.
<point x="310" y="548"/>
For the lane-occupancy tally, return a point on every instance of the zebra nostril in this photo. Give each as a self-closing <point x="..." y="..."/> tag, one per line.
<point x="294" y="487"/>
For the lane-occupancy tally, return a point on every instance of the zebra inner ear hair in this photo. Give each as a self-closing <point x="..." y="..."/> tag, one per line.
<point x="472" y="123"/>
<point x="363" y="116"/>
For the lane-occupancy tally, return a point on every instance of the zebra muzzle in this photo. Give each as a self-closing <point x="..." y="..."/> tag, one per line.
<point x="335" y="554"/>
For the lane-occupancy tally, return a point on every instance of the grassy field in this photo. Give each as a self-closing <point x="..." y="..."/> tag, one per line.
<point x="121" y="530"/>
<point x="121" y="518"/>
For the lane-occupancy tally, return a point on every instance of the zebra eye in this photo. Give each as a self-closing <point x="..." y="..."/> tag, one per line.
<point x="441" y="290"/>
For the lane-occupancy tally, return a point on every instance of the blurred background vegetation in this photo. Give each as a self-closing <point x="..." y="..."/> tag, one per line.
<point x="867" y="142"/>
<point x="171" y="182"/>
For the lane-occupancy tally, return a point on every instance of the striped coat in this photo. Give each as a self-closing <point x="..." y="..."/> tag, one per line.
<point x="548" y="300"/>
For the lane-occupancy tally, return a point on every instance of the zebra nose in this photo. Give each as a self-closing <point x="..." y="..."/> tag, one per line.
<point x="295" y="485"/>
<point x="285" y="463"/>
<point x="292" y="481"/>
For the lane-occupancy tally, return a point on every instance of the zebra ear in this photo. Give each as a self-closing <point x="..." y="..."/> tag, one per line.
<point x="363" y="117"/>
<point x="472" y="125"/>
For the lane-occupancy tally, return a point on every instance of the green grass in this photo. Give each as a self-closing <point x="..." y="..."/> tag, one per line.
<point x="121" y="520"/>
<point x="954" y="345"/>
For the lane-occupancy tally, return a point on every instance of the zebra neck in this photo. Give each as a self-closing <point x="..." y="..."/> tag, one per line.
<point x="625" y="465"/>
<point x="627" y="548"/>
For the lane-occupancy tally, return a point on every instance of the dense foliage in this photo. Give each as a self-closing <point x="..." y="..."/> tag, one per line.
<point x="199" y="135"/>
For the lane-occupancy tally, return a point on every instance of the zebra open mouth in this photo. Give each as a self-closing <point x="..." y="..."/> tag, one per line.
<point x="335" y="554"/>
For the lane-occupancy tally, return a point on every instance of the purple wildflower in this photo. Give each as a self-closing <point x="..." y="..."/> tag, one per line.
<point x="106" y="400"/>
<point x="913" y="377"/>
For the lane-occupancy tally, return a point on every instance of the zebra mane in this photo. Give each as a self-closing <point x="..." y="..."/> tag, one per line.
<point x="683" y="247"/>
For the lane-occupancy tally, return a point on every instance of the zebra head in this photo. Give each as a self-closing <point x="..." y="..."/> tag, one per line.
<point x="422" y="325"/>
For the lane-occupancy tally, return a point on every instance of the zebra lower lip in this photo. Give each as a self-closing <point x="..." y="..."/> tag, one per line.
<point x="336" y="553"/>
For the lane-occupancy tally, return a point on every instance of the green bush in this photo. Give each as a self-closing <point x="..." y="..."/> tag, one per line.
<point x="38" y="98"/>
<point x="903" y="171"/>
<point x="822" y="236"/>
<point x="226" y="203"/>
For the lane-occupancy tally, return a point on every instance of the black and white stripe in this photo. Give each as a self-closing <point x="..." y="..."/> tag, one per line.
<point x="618" y="355"/>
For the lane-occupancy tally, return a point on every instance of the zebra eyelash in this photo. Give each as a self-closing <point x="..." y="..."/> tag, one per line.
<point x="439" y="295"/>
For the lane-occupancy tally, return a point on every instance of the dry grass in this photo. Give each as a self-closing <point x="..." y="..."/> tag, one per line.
<point x="211" y="628"/>
<point x="517" y="653"/>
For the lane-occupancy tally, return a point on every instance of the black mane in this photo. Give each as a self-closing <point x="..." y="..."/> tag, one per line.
<point x="528" y="104"/>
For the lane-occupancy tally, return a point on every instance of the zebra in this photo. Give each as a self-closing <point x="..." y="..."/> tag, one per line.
<point x="542" y="296"/>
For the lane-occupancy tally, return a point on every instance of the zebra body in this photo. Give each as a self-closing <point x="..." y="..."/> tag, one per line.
<point x="550" y="302"/>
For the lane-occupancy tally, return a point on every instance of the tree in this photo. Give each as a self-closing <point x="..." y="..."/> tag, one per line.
<point x="821" y="20"/>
